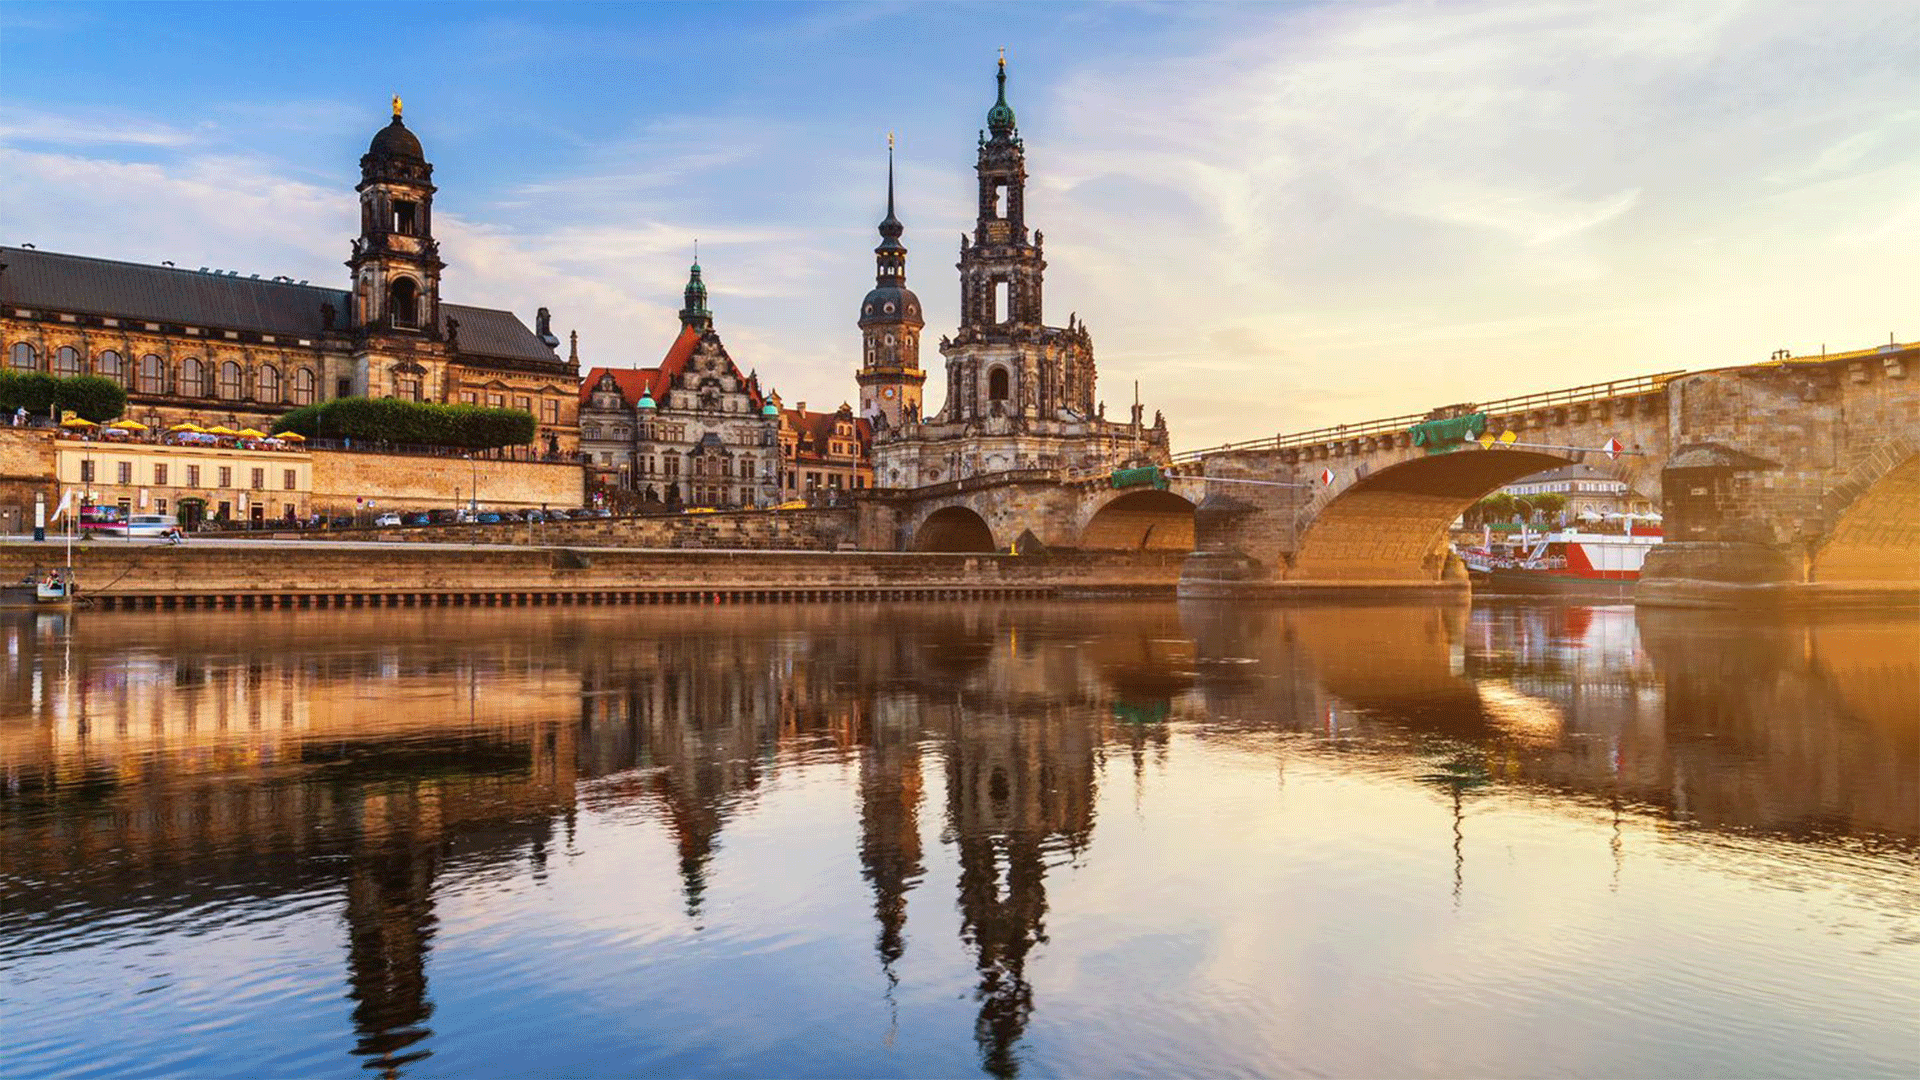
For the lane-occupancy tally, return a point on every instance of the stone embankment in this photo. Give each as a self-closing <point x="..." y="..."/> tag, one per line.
<point x="322" y="574"/>
<point x="792" y="530"/>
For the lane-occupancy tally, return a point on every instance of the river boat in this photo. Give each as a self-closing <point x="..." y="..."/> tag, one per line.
<point x="53" y="591"/>
<point x="1566" y="563"/>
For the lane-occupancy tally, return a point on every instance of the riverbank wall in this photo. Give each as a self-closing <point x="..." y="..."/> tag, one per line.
<point x="324" y="574"/>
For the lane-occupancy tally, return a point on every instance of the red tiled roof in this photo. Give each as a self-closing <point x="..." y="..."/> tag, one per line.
<point x="818" y="426"/>
<point x="656" y="380"/>
<point x="631" y="381"/>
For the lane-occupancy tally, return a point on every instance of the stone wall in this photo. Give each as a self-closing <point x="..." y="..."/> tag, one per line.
<point x="26" y="470"/>
<point x="133" y="569"/>
<point x="401" y="482"/>
<point x="762" y="530"/>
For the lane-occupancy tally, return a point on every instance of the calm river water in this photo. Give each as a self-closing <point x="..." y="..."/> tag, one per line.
<point x="1069" y="839"/>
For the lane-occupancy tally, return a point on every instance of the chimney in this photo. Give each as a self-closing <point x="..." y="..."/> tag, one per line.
<point x="800" y="405"/>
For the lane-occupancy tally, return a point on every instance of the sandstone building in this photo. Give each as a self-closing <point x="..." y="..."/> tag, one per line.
<point x="1020" y="393"/>
<point x="824" y="452"/>
<point x="217" y="348"/>
<point x="691" y="431"/>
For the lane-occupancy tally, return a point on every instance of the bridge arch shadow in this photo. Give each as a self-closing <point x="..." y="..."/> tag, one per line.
<point x="1875" y="536"/>
<point x="953" y="528"/>
<point x="1147" y="520"/>
<point x="1392" y="525"/>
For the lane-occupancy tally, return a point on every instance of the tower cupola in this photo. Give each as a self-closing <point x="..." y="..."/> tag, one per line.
<point x="695" y="313"/>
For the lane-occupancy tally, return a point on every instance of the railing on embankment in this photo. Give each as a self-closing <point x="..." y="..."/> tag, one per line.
<point x="242" y="575"/>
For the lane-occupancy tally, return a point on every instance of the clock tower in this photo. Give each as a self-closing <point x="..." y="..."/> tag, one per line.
<point x="890" y="322"/>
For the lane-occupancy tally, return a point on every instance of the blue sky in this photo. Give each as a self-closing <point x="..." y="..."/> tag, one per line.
<point x="1273" y="216"/>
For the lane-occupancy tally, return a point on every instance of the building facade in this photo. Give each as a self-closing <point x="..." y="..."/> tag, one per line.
<point x="194" y="483"/>
<point x="1019" y="394"/>
<point x="1586" y="490"/>
<point x="213" y="347"/>
<point x="693" y="431"/>
<point x="824" y="452"/>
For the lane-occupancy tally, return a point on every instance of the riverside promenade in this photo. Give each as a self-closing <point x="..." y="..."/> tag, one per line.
<point x="308" y="573"/>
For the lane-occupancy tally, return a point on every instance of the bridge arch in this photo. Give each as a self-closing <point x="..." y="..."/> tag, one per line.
<point x="953" y="528"/>
<point x="1875" y="515"/>
<point x="1391" y="525"/>
<point x="1142" y="520"/>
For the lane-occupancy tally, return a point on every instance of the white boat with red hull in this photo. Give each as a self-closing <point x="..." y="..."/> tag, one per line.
<point x="1566" y="563"/>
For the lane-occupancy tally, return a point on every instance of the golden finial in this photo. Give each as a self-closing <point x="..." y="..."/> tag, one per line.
<point x="396" y="106"/>
<point x="889" y="140"/>
<point x="1003" y="56"/>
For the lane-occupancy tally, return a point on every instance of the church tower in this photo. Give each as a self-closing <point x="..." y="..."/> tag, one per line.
<point x="695" y="313"/>
<point x="890" y="322"/>
<point x="396" y="261"/>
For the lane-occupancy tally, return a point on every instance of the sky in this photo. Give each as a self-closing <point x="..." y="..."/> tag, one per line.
<point x="1274" y="217"/>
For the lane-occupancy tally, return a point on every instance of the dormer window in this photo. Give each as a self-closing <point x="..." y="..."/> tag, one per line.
<point x="405" y="217"/>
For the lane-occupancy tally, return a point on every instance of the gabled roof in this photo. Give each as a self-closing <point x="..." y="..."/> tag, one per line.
<point x="632" y="382"/>
<point x="818" y="427"/>
<point x="83" y="285"/>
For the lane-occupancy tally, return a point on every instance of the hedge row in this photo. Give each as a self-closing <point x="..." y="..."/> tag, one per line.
<point x="90" y="396"/>
<point x="422" y="423"/>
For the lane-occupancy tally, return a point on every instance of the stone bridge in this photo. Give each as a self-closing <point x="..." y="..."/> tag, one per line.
<point x="1032" y="509"/>
<point x="1790" y="480"/>
<point x="1796" y="478"/>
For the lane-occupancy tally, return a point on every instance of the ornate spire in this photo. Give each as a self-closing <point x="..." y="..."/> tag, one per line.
<point x="890" y="258"/>
<point x="695" y="313"/>
<point x="1000" y="119"/>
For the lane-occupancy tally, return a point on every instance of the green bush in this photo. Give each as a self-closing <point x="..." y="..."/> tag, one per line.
<point x="88" y="396"/>
<point x="423" y="423"/>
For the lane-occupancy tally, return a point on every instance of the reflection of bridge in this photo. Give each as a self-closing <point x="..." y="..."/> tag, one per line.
<point x="1791" y="479"/>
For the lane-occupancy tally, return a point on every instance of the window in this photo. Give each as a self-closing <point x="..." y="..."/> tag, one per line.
<point x="113" y="366"/>
<point x="193" y="378"/>
<point x="1002" y="301"/>
<point x="407" y="389"/>
<point x="267" y="386"/>
<point x="153" y="375"/>
<point x="290" y="479"/>
<point x="193" y="476"/>
<point x="123" y="472"/>
<point x="66" y="361"/>
<point x="405" y="217"/>
<point x="259" y="479"/>
<point x="231" y="379"/>
<point x="86" y="472"/>
<point x="403" y="302"/>
<point x="159" y="475"/>
<point x="226" y="476"/>
<point x="550" y="410"/>
<point x="343" y="387"/>
<point x="495" y="401"/>
<point x="468" y="397"/>
<point x="23" y="357"/>
<point x="524" y="404"/>
<point x="303" y="383"/>
<point x="997" y="384"/>
<point x="160" y="506"/>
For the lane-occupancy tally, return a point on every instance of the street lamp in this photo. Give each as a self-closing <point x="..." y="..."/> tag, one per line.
<point x="473" y="491"/>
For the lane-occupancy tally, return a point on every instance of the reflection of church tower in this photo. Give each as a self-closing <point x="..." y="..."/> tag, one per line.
<point x="890" y="825"/>
<point x="1018" y="789"/>
<point x="390" y="926"/>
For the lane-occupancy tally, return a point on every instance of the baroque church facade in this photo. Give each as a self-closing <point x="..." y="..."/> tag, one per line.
<point x="213" y="347"/>
<point x="1019" y="394"/>
<point x="690" y="431"/>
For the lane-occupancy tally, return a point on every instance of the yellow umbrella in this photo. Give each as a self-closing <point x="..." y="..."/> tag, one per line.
<point x="250" y="433"/>
<point x="128" y="425"/>
<point x="75" y="421"/>
<point x="221" y="430"/>
<point x="188" y="425"/>
<point x="291" y="436"/>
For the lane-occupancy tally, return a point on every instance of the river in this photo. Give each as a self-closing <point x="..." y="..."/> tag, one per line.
<point x="1081" y="839"/>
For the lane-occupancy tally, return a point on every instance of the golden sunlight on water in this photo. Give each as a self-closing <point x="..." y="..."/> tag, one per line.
<point x="1113" y="839"/>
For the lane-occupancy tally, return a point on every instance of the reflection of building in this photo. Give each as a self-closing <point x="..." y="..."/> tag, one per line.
<point x="1019" y="393"/>
<point x="216" y="348"/>
<point x="693" y="430"/>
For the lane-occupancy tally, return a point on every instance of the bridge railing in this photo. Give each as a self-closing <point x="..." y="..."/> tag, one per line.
<point x="1614" y="388"/>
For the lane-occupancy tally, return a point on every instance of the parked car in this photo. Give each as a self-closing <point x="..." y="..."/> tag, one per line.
<point x="443" y="517"/>
<point x="386" y="519"/>
<point x="582" y="512"/>
<point x="487" y="517"/>
<point x="416" y="517"/>
<point x="151" y="524"/>
<point x="600" y="512"/>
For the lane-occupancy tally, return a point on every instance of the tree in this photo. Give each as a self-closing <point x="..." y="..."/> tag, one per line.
<point x="87" y="396"/>
<point x="390" y="420"/>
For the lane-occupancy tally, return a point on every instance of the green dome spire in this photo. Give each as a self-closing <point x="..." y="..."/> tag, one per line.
<point x="1000" y="117"/>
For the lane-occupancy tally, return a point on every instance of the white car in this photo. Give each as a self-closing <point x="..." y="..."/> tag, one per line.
<point x="151" y="524"/>
<point x="388" y="518"/>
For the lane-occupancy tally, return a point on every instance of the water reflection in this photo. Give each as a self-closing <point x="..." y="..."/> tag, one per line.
<point x="169" y="775"/>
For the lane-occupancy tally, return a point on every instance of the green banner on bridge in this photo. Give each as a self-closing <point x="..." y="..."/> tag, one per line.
<point x="1442" y="436"/>
<point x="1148" y="476"/>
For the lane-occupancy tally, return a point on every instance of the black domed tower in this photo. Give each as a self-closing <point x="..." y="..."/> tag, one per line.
<point x="396" y="262"/>
<point x="890" y="322"/>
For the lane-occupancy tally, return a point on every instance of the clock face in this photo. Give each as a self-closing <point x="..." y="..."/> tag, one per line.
<point x="889" y="391"/>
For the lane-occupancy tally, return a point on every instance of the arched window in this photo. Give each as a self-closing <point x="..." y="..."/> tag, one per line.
<point x="66" y="361"/>
<point x="997" y="385"/>
<point x="267" y="386"/>
<point x="303" y="382"/>
<point x="153" y="375"/>
<point x="231" y="381"/>
<point x="24" y="358"/>
<point x="193" y="378"/>
<point x="403" y="300"/>
<point x="113" y="366"/>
